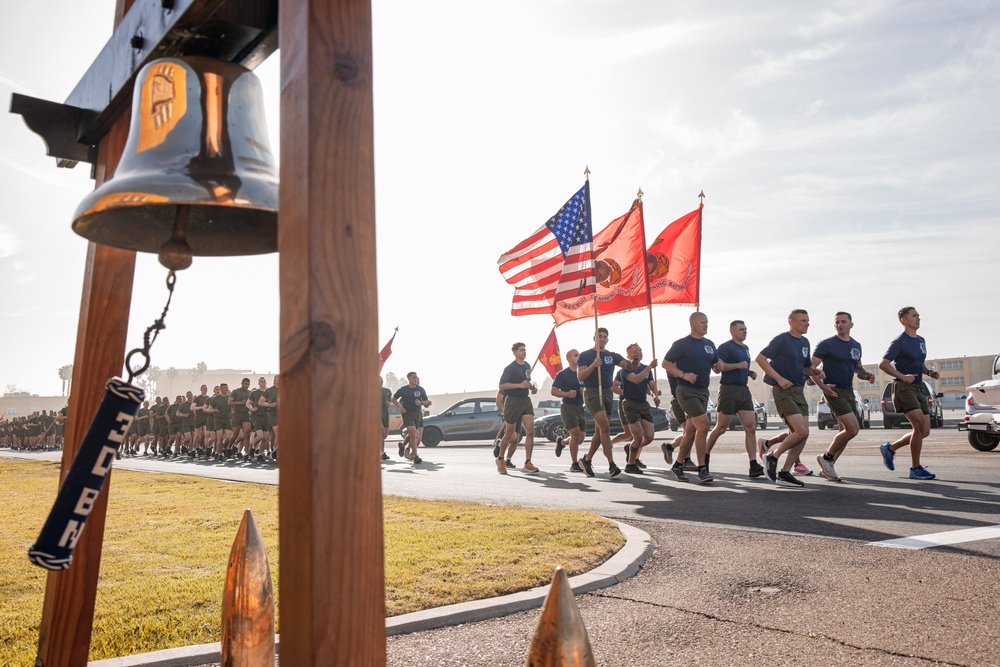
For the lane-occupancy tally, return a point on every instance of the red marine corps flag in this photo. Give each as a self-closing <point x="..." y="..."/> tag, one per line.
<point x="554" y="263"/>
<point x="673" y="261"/>
<point x="386" y="351"/>
<point x="549" y="355"/>
<point x="619" y="267"/>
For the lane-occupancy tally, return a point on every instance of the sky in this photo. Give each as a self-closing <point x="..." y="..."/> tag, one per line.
<point x="849" y="153"/>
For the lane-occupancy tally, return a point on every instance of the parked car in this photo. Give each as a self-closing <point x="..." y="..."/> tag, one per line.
<point x="551" y="426"/>
<point x="862" y="410"/>
<point x="713" y="414"/>
<point x="470" y="419"/>
<point x="395" y="419"/>
<point x="547" y="407"/>
<point x="760" y="417"/>
<point x="973" y="408"/>
<point x="891" y="418"/>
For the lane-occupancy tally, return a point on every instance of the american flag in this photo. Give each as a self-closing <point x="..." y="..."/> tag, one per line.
<point x="554" y="263"/>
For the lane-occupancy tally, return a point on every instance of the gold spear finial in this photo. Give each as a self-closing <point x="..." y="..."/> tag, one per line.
<point x="586" y="172"/>
<point x="248" y="601"/>
<point x="560" y="638"/>
<point x="638" y="195"/>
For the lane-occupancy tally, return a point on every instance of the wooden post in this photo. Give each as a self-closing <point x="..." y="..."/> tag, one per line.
<point x="68" y="611"/>
<point x="331" y="542"/>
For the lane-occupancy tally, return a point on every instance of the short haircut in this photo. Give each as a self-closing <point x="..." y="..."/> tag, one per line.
<point x="516" y="346"/>
<point x="245" y="380"/>
<point x="797" y="311"/>
<point x="223" y="385"/>
<point x="631" y="347"/>
<point x="736" y="323"/>
<point x="602" y="330"/>
<point x="696" y="314"/>
<point x="904" y="311"/>
<point x="845" y="314"/>
<point x="410" y="374"/>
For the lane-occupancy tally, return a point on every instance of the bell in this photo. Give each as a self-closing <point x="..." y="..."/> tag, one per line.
<point x="197" y="176"/>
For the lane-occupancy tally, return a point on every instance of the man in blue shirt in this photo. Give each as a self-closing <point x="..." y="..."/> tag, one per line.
<point x="904" y="360"/>
<point x="596" y="368"/>
<point x="410" y="399"/>
<point x="566" y="385"/>
<point x="786" y="363"/>
<point x="691" y="360"/>
<point x="734" y="394"/>
<point x="634" y="408"/>
<point x="840" y="357"/>
<point x="516" y="384"/>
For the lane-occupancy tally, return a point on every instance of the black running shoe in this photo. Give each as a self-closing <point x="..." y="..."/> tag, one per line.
<point x="704" y="477"/>
<point x="496" y="450"/>
<point x="756" y="470"/>
<point x="400" y="449"/>
<point x="788" y="480"/>
<point x="633" y="469"/>
<point x="588" y="467"/>
<point x="559" y="447"/>
<point x="614" y="470"/>
<point x="771" y="467"/>
<point x="678" y="470"/>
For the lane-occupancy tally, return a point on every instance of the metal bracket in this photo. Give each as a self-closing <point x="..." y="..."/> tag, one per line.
<point x="240" y="31"/>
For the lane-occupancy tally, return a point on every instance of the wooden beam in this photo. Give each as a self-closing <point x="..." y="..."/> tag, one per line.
<point x="331" y="534"/>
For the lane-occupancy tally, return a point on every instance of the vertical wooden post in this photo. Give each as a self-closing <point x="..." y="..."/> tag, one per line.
<point x="331" y="535"/>
<point x="68" y="611"/>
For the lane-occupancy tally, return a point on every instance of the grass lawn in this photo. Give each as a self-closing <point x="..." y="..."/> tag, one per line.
<point x="167" y="542"/>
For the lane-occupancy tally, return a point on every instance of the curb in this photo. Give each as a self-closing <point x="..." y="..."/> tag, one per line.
<point x="623" y="565"/>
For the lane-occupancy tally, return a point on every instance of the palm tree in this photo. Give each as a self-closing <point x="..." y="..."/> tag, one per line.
<point x="171" y="374"/>
<point x="66" y="375"/>
<point x="197" y="372"/>
<point x="152" y="374"/>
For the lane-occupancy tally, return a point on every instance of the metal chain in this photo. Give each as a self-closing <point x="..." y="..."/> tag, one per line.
<point x="152" y="332"/>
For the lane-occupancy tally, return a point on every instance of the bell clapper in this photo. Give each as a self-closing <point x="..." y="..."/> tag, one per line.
<point x="175" y="254"/>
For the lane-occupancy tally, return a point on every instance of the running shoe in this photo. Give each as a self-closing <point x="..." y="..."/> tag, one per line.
<point x="402" y="450"/>
<point x="770" y="467"/>
<point x="501" y="466"/>
<point x="588" y="467"/>
<point x="633" y="469"/>
<point x="417" y="459"/>
<point x="496" y="449"/>
<point x="690" y="466"/>
<point x="614" y="470"/>
<point x="788" y="480"/>
<point x="530" y="468"/>
<point x="510" y="464"/>
<point x="385" y="457"/>
<point x="887" y="456"/>
<point x="668" y="453"/>
<point x="678" y="470"/>
<point x="762" y="449"/>
<point x="559" y="447"/>
<point x="826" y="470"/>
<point x="704" y="477"/>
<point x="575" y="467"/>
<point x="640" y="464"/>
<point x="756" y="470"/>
<point x="800" y="469"/>
<point x="921" y="472"/>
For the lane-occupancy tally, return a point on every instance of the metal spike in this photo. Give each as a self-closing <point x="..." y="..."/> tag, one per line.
<point x="248" y="602"/>
<point x="560" y="638"/>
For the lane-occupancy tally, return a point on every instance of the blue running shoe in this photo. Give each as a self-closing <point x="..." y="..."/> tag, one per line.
<point x="887" y="456"/>
<point x="921" y="472"/>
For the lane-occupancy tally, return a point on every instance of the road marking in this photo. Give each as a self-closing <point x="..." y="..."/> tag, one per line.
<point x="941" y="539"/>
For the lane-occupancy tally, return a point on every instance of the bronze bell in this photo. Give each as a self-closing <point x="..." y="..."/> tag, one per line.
<point x="197" y="176"/>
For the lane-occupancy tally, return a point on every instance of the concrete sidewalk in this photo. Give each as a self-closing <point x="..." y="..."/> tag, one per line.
<point x="719" y="596"/>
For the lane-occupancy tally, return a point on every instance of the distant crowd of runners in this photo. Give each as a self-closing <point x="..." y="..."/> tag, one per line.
<point x="593" y="377"/>
<point x="241" y="424"/>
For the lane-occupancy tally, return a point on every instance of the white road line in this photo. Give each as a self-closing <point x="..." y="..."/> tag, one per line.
<point x="941" y="539"/>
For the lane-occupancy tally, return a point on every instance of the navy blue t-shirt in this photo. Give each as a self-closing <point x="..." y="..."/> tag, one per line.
<point x="732" y="352"/>
<point x="908" y="354"/>
<point x="788" y="356"/>
<point x="516" y="373"/>
<point x="693" y="355"/>
<point x="407" y="397"/>
<point x="840" y="358"/>
<point x="631" y="390"/>
<point x="567" y="380"/>
<point x="609" y="360"/>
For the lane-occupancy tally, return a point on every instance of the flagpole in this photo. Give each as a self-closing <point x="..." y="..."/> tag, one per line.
<point x="649" y="296"/>
<point x="701" y="205"/>
<point x="593" y="272"/>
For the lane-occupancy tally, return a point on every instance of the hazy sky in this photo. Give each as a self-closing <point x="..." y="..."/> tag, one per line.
<point x="848" y="152"/>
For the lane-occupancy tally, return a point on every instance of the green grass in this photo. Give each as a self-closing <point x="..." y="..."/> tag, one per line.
<point x="168" y="537"/>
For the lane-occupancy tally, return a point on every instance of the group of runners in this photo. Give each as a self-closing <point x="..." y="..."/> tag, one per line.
<point x="241" y="424"/>
<point x="595" y="376"/>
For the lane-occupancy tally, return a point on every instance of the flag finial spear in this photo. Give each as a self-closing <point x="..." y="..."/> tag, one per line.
<point x="701" y="196"/>
<point x="586" y="171"/>
<point x="638" y="194"/>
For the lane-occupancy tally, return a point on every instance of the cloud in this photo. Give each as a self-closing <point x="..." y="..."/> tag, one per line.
<point x="849" y="15"/>
<point x="776" y="66"/>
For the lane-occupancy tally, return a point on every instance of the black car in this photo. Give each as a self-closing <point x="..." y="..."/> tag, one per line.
<point x="551" y="426"/>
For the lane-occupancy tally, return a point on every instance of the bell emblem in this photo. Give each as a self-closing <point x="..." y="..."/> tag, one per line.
<point x="197" y="176"/>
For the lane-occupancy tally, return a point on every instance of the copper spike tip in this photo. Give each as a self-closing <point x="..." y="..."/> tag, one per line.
<point x="560" y="639"/>
<point x="586" y="170"/>
<point x="248" y="601"/>
<point x="639" y="194"/>
<point x="701" y="195"/>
